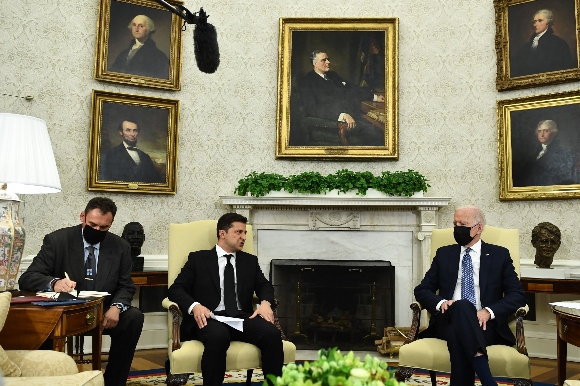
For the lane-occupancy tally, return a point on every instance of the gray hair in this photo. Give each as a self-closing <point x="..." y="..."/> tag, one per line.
<point x="148" y="22"/>
<point x="478" y="215"/>
<point x="553" y="126"/>
<point x="313" y="55"/>
<point x="549" y="15"/>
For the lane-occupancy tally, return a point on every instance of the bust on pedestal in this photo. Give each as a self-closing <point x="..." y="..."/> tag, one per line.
<point x="135" y="235"/>
<point x="546" y="238"/>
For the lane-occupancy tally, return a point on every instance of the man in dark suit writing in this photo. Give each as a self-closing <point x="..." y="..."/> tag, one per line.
<point x="93" y="259"/>
<point x="223" y="281"/>
<point x="126" y="162"/>
<point x="478" y="289"/>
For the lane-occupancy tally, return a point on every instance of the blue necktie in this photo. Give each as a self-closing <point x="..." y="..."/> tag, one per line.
<point x="467" y="286"/>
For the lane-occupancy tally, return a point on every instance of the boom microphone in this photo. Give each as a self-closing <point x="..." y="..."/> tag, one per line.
<point x="205" y="45"/>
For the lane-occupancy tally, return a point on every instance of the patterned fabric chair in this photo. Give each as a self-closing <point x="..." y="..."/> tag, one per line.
<point x="432" y="354"/>
<point x="40" y="367"/>
<point x="185" y="357"/>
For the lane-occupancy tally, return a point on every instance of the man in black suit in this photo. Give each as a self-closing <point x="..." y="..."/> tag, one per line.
<point x="470" y="290"/>
<point x="126" y="162"/>
<point x="142" y="57"/>
<point x="544" y="52"/>
<point x="94" y="259"/>
<point x="324" y="94"/>
<point x="206" y="285"/>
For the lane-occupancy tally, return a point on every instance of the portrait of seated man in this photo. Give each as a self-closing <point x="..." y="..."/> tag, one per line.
<point x="126" y="162"/>
<point x="142" y="57"/>
<point x="548" y="162"/>
<point x="544" y="52"/>
<point x="323" y="94"/>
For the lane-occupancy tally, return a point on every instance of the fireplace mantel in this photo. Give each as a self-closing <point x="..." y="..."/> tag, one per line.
<point x="397" y="229"/>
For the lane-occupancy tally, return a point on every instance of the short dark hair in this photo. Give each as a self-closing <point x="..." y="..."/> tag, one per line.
<point x="104" y="204"/>
<point x="130" y="119"/>
<point x="226" y="221"/>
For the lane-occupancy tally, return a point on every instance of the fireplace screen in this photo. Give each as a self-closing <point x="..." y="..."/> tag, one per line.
<point x="327" y="303"/>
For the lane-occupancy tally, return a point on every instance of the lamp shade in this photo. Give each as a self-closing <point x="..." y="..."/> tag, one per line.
<point x="27" y="162"/>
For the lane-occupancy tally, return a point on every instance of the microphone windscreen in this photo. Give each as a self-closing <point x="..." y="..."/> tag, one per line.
<point x="205" y="48"/>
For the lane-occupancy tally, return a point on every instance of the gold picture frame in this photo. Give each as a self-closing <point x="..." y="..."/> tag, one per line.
<point x="364" y="51"/>
<point x="133" y="143"/>
<point x="537" y="162"/>
<point x="157" y="62"/>
<point x="524" y="61"/>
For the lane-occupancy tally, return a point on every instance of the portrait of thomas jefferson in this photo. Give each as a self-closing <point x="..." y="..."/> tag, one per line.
<point x="139" y="40"/>
<point x="542" y="37"/>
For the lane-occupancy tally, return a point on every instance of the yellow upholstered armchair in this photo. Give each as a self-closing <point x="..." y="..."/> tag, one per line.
<point x="184" y="358"/>
<point x="432" y="354"/>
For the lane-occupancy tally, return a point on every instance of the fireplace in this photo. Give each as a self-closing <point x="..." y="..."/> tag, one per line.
<point x="340" y="303"/>
<point x="357" y="229"/>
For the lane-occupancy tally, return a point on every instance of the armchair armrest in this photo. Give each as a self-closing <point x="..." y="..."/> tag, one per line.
<point x="414" y="332"/>
<point x="176" y="321"/>
<point x="520" y="338"/>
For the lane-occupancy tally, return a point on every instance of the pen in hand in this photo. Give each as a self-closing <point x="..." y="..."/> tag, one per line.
<point x="72" y="285"/>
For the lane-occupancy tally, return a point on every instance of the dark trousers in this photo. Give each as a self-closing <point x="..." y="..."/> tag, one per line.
<point x="216" y="338"/>
<point x="124" y="338"/>
<point x="460" y="328"/>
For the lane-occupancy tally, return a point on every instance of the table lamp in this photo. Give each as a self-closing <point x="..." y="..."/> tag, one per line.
<point x="27" y="166"/>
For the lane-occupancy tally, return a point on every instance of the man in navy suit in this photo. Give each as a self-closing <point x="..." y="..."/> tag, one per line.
<point x="470" y="290"/>
<point x="326" y="95"/>
<point x="201" y="288"/>
<point x="67" y="251"/>
<point x="126" y="162"/>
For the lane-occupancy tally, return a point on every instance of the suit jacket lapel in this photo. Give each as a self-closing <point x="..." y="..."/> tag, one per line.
<point x="484" y="266"/>
<point x="76" y="256"/>
<point x="213" y="268"/>
<point x="241" y="270"/>
<point x="453" y="270"/>
<point x="104" y="264"/>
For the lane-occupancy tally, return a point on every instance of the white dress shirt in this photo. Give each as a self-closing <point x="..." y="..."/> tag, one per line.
<point x="222" y="261"/>
<point x="475" y="254"/>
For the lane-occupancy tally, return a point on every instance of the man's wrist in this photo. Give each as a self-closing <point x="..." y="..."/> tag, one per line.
<point x="52" y="283"/>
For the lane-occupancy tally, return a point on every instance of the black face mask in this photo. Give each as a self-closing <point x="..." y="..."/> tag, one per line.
<point x="462" y="234"/>
<point x="93" y="236"/>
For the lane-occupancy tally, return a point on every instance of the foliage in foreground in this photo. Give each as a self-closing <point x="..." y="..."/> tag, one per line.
<point x="334" y="369"/>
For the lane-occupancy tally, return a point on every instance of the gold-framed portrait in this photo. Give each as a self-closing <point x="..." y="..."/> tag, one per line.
<point x="338" y="88"/>
<point x="539" y="147"/>
<point x="133" y="143"/>
<point x="138" y="43"/>
<point x="537" y="42"/>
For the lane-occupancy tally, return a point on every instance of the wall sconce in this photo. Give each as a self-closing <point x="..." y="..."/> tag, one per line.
<point x="27" y="166"/>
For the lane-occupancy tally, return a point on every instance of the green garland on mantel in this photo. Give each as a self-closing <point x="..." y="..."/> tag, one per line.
<point x="392" y="183"/>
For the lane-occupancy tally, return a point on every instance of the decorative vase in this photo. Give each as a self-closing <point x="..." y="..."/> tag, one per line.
<point x="12" y="236"/>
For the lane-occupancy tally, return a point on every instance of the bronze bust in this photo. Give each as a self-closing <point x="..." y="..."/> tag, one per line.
<point x="135" y="235"/>
<point x="546" y="238"/>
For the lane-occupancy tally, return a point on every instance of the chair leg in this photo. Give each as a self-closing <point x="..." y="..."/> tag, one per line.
<point x="433" y="375"/>
<point x="249" y="377"/>
<point x="522" y="382"/>
<point x="177" y="379"/>
<point x="403" y="373"/>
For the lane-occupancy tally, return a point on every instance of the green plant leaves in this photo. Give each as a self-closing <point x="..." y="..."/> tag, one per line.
<point x="398" y="183"/>
<point x="334" y="369"/>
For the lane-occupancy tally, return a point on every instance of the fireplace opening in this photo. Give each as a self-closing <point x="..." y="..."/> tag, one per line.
<point x="327" y="303"/>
